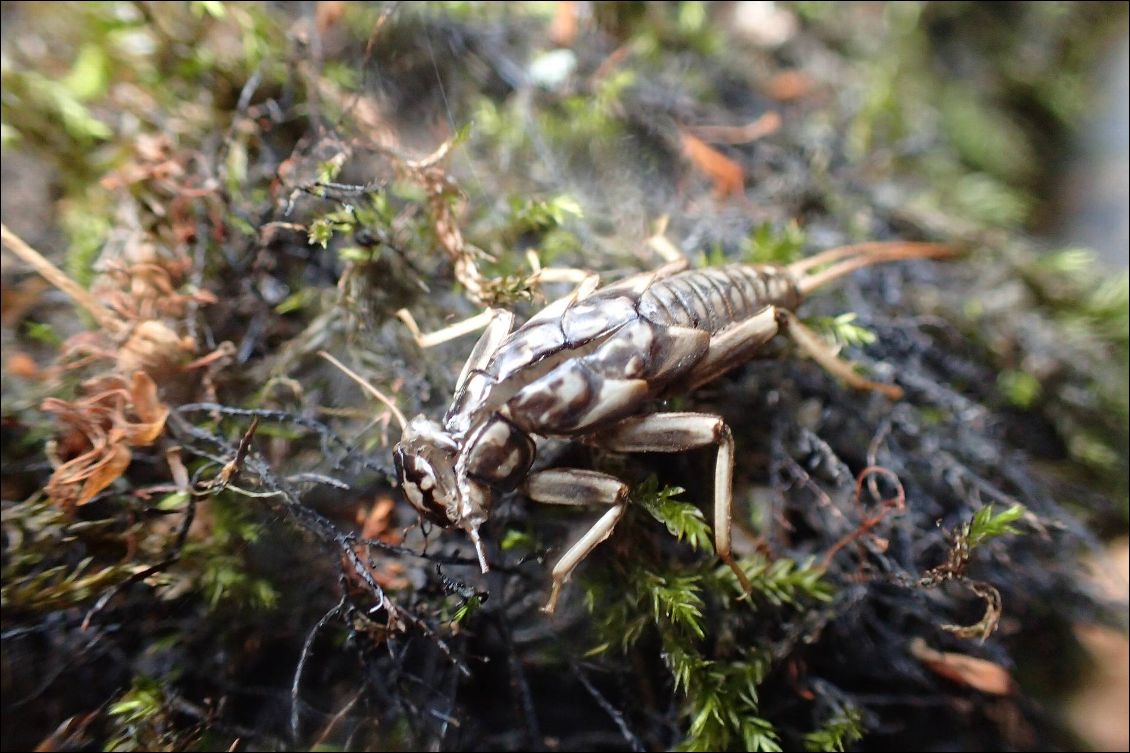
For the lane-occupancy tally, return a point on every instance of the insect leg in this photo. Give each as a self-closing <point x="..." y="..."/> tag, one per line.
<point x="676" y="432"/>
<point x="822" y="353"/>
<point x="458" y="329"/>
<point x="734" y="345"/>
<point x="496" y="331"/>
<point x="571" y="486"/>
<point x="586" y="281"/>
<point x="586" y="286"/>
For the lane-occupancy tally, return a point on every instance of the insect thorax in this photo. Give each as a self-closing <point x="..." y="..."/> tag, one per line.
<point x="498" y="454"/>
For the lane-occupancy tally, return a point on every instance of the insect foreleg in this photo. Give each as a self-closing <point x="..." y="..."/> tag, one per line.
<point x="571" y="486"/>
<point x="677" y="432"/>
<point x="496" y="331"/>
<point x="491" y="318"/>
<point x="586" y="281"/>
<point x="458" y="329"/>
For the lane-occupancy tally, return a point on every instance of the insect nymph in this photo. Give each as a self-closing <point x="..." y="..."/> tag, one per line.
<point x="587" y="366"/>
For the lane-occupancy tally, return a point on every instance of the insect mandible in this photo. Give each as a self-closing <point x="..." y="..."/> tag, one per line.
<point x="585" y="368"/>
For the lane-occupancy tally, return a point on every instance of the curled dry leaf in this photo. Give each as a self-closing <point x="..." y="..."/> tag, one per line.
<point x="18" y="299"/>
<point x="154" y="160"/>
<point x="141" y="281"/>
<point x="154" y="347"/>
<point x="97" y="432"/>
<point x="375" y="522"/>
<point x="328" y="14"/>
<point x="148" y="408"/>
<point x="979" y="674"/>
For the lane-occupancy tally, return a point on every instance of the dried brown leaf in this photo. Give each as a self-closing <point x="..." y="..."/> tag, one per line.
<point x="154" y="347"/>
<point x="148" y="408"/>
<point x="97" y="431"/>
<point x="376" y="522"/>
<point x="17" y="300"/>
<point x="327" y="15"/>
<point x="103" y="473"/>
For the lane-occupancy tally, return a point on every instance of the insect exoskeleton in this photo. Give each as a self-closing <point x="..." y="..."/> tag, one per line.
<point x="585" y="368"/>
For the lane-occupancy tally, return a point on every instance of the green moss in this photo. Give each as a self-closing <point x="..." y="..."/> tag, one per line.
<point x="837" y="733"/>
<point x="220" y="560"/>
<point x="718" y="684"/>
<point x="770" y="245"/>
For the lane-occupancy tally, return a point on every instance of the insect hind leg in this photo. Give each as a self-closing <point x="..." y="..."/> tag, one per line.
<point x="677" y="432"/>
<point x="823" y="354"/>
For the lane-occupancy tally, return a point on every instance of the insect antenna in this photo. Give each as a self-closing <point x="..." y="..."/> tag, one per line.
<point x="368" y="388"/>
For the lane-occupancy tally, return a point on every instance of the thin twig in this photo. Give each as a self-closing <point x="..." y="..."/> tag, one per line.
<point x="57" y="277"/>
<point x="898" y="502"/>
<point x="306" y="646"/>
<point x="617" y="716"/>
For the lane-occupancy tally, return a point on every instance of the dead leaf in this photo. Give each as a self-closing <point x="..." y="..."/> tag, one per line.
<point x="103" y="473"/>
<point x="96" y="433"/>
<point x="328" y="14"/>
<point x="1097" y="710"/>
<point x="148" y="408"/>
<point x="17" y="300"/>
<point x="154" y="347"/>
<point x="376" y="524"/>
<point x="979" y="674"/>
<point x="70" y="734"/>
<point x="727" y="175"/>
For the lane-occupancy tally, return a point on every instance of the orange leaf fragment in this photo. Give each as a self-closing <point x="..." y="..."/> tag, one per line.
<point x="18" y="300"/>
<point x="377" y="521"/>
<point x="155" y="347"/>
<point x="979" y="674"/>
<point x="727" y="175"/>
<point x="328" y="14"/>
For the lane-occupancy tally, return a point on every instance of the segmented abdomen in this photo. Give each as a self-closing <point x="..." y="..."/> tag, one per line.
<point x="712" y="299"/>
